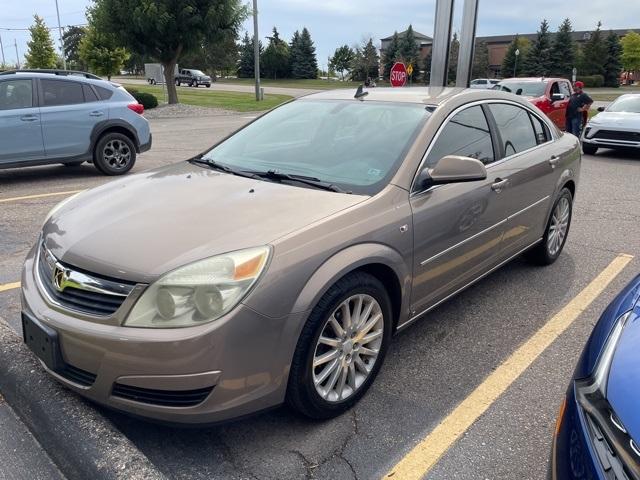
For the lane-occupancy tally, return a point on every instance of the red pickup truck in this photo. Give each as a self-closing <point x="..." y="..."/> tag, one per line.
<point x="551" y="95"/>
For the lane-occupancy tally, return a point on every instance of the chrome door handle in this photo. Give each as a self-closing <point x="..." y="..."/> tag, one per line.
<point x="553" y="161"/>
<point x="499" y="185"/>
<point x="96" y="114"/>
<point x="29" y="118"/>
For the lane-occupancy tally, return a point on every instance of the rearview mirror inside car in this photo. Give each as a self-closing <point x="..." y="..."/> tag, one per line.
<point x="453" y="169"/>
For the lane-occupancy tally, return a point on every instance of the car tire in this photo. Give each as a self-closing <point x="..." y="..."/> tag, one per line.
<point x="354" y="365"/>
<point x="589" y="149"/>
<point x="115" y="154"/>
<point x="556" y="232"/>
<point x="208" y="85"/>
<point x="72" y="164"/>
<point x="153" y="82"/>
<point x="193" y="84"/>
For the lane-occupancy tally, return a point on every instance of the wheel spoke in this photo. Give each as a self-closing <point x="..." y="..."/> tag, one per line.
<point x="357" y="309"/>
<point x="337" y="328"/>
<point x="351" y="380"/>
<point x="358" y="362"/>
<point x="346" y="315"/>
<point x="343" y="381"/>
<point x="326" y="357"/>
<point x="367" y="351"/>
<point x="332" y="342"/>
<point x="333" y="379"/>
<point x="326" y="372"/>
<point x="368" y="326"/>
<point x="371" y="337"/>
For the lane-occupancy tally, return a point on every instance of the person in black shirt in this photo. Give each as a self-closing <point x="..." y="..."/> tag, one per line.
<point x="579" y="103"/>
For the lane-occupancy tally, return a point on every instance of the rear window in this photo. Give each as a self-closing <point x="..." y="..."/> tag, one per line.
<point x="103" y="93"/>
<point x="89" y="94"/>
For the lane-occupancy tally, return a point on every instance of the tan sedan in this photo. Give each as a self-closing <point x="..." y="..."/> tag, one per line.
<point x="276" y="266"/>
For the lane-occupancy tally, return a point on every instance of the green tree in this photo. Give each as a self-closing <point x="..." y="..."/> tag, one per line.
<point x="101" y="52"/>
<point x="275" y="59"/>
<point x="594" y="54"/>
<point x="481" y="61"/>
<point x="303" y="56"/>
<point x="513" y="65"/>
<point x="366" y="62"/>
<point x="391" y="54"/>
<point x="409" y="52"/>
<point x="631" y="52"/>
<point x="246" y="65"/>
<point x="454" y="52"/>
<point x="165" y="29"/>
<point x="537" y="62"/>
<point x="341" y="60"/>
<point x="563" y="51"/>
<point x="71" y="39"/>
<point x="40" y="51"/>
<point x="613" y="63"/>
<point x="426" y="66"/>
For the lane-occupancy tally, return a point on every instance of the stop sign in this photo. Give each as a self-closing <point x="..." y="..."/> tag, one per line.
<point x="398" y="75"/>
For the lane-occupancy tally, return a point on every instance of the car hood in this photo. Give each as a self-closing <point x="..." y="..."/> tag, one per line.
<point x="616" y="119"/>
<point x="623" y="387"/>
<point x="147" y="224"/>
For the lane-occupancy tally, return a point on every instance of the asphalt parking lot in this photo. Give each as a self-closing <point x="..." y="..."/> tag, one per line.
<point x="431" y="367"/>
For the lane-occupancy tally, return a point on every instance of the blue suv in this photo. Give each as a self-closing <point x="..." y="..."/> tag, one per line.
<point x="52" y="116"/>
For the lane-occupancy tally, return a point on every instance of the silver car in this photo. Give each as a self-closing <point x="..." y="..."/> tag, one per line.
<point x="616" y="126"/>
<point x="277" y="266"/>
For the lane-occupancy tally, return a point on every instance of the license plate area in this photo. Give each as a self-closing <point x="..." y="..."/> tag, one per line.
<point x="43" y="341"/>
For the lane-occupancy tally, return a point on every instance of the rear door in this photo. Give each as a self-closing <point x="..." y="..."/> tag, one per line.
<point x="70" y="110"/>
<point x="527" y="165"/>
<point x="457" y="227"/>
<point x="20" y="127"/>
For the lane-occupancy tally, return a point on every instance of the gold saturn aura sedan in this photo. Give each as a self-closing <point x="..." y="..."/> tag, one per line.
<point x="277" y="266"/>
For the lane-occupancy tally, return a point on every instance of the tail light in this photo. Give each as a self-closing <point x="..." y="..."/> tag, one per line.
<point x="136" y="107"/>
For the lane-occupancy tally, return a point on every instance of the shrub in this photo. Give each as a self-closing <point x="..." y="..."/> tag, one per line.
<point x="147" y="100"/>
<point x="592" y="81"/>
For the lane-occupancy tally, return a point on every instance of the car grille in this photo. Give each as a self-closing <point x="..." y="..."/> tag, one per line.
<point x="89" y="294"/>
<point x="77" y="375"/>
<point x="165" y="398"/>
<point x="617" y="135"/>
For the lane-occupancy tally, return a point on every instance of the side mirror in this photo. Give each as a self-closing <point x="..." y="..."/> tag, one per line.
<point x="453" y="169"/>
<point x="601" y="109"/>
<point x="557" y="97"/>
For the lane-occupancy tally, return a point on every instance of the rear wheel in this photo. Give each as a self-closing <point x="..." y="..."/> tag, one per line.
<point x="589" y="149"/>
<point x="153" y="82"/>
<point x="555" y="236"/>
<point x="115" y="154"/>
<point x="341" y="347"/>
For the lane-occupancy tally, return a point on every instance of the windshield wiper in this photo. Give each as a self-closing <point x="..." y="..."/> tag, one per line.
<point x="223" y="168"/>
<point x="311" y="181"/>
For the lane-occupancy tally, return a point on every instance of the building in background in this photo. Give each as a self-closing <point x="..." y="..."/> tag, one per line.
<point x="423" y="41"/>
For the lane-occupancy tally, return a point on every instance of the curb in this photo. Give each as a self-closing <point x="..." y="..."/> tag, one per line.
<point x="83" y="444"/>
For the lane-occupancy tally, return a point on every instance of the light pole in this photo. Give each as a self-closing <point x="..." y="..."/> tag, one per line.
<point x="64" y="60"/>
<point x="2" y="50"/>
<point x="15" y="44"/>
<point x="515" y="64"/>
<point x="256" y="49"/>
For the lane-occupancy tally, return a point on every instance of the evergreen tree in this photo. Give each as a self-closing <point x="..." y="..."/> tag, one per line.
<point x="409" y="52"/>
<point x="246" y="65"/>
<point x="595" y="54"/>
<point x="295" y="52"/>
<point x="71" y="39"/>
<point x="563" y="51"/>
<point x="453" y="58"/>
<point x="342" y="60"/>
<point x="40" y="53"/>
<point x="304" y="63"/>
<point x="509" y="66"/>
<point x="538" y="61"/>
<point x="275" y="59"/>
<point x="481" y="60"/>
<point x="366" y="62"/>
<point x="613" y="63"/>
<point x="390" y="55"/>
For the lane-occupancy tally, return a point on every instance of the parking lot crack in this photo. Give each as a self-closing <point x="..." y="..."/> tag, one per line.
<point x="309" y="466"/>
<point x="229" y="457"/>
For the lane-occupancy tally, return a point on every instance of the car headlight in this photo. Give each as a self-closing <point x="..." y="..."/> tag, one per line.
<point x="603" y="365"/>
<point x="199" y="292"/>
<point x="59" y="206"/>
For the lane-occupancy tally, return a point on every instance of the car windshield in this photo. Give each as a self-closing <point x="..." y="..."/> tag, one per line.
<point x="197" y="72"/>
<point x="629" y="104"/>
<point x="526" y="89"/>
<point x="354" y="145"/>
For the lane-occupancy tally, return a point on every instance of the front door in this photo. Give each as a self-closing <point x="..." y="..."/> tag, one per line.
<point x="457" y="227"/>
<point x="20" y="128"/>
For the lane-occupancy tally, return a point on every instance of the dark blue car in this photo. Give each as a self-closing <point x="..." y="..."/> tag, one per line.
<point x="598" y="429"/>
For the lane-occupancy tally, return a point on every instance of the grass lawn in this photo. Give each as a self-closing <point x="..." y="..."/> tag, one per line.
<point x="292" y="83"/>
<point x="203" y="97"/>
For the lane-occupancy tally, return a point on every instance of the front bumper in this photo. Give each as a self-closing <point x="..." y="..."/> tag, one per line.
<point x="610" y="137"/>
<point x="243" y="358"/>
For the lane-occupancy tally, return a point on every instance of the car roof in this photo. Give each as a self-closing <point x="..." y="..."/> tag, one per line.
<point x="53" y="76"/>
<point x="421" y="95"/>
<point x="533" y="79"/>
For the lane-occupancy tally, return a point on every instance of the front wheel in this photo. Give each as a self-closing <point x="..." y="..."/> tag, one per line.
<point x="589" y="149"/>
<point x="115" y="154"/>
<point x="341" y="347"/>
<point x="555" y="236"/>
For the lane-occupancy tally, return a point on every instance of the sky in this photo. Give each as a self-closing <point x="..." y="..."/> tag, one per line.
<point x="337" y="22"/>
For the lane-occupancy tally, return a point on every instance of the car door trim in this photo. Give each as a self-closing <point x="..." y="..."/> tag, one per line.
<point x="459" y="244"/>
<point x="535" y="204"/>
<point x="477" y="279"/>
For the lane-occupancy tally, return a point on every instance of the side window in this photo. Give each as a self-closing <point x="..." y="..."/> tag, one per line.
<point x="564" y="89"/>
<point x="466" y="134"/>
<point x="89" y="94"/>
<point x="103" y="93"/>
<point x="555" y="88"/>
<point x="16" y="94"/>
<point x="61" y="92"/>
<point x="542" y="132"/>
<point x="515" y="128"/>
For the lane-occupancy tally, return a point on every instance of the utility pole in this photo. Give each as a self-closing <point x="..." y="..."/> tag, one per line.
<point x="64" y="59"/>
<point x="15" y="44"/>
<point x="515" y="63"/>
<point x="256" y="50"/>
<point x="2" y="49"/>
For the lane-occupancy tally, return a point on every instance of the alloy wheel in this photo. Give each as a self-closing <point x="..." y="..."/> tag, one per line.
<point x="559" y="226"/>
<point x="117" y="154"/>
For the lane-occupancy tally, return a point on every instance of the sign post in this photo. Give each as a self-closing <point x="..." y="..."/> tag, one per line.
<point x="410" y="73"/>
<point x="398" y="75"/>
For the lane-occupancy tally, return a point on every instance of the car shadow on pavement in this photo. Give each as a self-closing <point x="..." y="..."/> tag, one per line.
<point x="48" y="173"/>
<point x="430" y="368"/>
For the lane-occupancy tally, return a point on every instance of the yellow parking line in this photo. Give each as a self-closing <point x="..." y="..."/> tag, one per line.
<point x="422" y="458"/>
<point x="9" y="286"/>
<point x="42" y="195"/>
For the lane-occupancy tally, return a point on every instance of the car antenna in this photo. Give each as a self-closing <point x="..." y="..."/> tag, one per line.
<point x="360" y="93"/>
